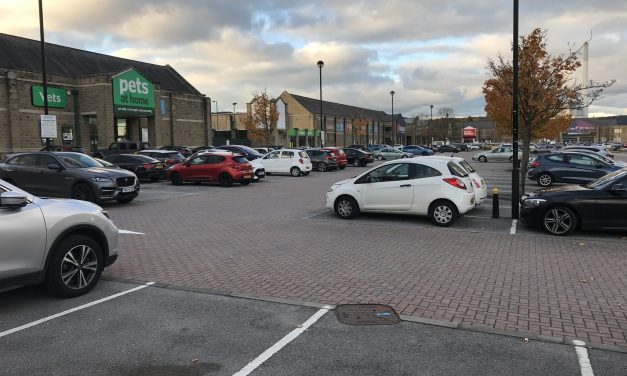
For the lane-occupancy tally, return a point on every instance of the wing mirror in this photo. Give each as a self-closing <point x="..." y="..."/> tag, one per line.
<point x="620" y="187"/>
<point x="13" y="200"/>
<point x="55" y="167"/>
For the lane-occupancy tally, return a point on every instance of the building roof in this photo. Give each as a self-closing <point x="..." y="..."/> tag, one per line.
<point x="25" y="55"/>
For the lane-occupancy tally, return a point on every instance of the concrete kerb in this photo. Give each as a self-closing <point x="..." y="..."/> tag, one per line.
<point x="419" y="320"/>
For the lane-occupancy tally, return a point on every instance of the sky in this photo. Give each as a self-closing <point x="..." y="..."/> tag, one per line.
<point x="430" y="52"/>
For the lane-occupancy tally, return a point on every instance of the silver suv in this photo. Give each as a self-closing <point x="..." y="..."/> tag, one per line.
<point x="63" y="243"/>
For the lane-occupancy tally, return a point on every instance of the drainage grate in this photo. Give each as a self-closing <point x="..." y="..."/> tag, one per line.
<point x="366" y="314"/>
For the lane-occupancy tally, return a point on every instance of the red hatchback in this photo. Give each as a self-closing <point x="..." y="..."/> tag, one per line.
<point x="342" y="161"/>
<point x="224" y="168"/>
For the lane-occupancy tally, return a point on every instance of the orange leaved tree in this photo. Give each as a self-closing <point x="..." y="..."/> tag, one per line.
<point x="261" y="120"/>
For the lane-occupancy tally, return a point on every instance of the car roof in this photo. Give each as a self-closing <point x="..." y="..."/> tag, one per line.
<point x="158" y="151"/>
<point x="443" y="157"/>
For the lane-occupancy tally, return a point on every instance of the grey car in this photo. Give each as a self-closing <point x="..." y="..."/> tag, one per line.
<point x="63" y="243"/>
<point x="391" y="153"/>
<point x="68" y="174"/>
<point x="500" y="154"/>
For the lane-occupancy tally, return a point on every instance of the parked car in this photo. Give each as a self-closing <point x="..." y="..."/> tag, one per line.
<point x="121" y="147"/>
<point x="360" y="147"/>
<point x="342" y="160"/>
<point x="262" y="151"/>
<point x="168" y="157"/>
<point x="144" y="167"/>
<point x="248" y="152"/>
<point x="201" y="148"/>
<point x="479" y="186"/>
<point x="426" y="186"/>
<point x="287" y="161"/>
<point x="448" y="149"/>
<point x="357" y="157"/>
<point x="594" y="149"/>
<point x="461" y="147"/>
<point x="390" y="153"/>
<point x="601" y="204"/>
<point x="417" y="150"/>
<point x="64" y="244"/>
<point x="258" y="170"/>
<point x="474" y="146"/>
<point x="76" y="149"/>
<point x="567" y="167"/>
<point x="224" y="168"/>
<point x="69" y="174"/>
<point x="183" y="150"/>
<point x="376" y="147"/>
<point x="322" y="160"/>
<point x="499" y="154"/>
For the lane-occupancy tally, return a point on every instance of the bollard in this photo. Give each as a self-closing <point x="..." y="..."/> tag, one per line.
<point x="495" y="203"/>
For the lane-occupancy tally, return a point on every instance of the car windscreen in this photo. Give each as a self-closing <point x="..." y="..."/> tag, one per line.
<point x="145" y="159"/>
<point x="175" y="154"/>
<point x="616" y="175"/>
<point x="240" y="159"/>
<point x="303" y="154"/>
<point x="456" y="170"/>
<point x="78" y="160"/>
<point x="467" y="166"/>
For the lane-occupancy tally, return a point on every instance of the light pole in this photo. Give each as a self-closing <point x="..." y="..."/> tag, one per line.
<point x="217" y="118"/>
<point x="430" y="120"/>
<point x="515" y="167"/>
<point x="43" y="64"/>
<point x="320" y="65"/>
<point x="234" y="124"/>
<point x="393" y="129"/>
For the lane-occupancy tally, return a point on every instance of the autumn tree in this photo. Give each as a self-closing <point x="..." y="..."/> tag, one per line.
<point x="360" y="129"/>
<point x="547" y="92"/>
<point x="261" y="120"/>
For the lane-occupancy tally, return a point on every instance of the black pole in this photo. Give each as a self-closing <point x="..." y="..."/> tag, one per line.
<point x="320" y="65"/>
<point x="430" y="120"/>
<point x="515" y="167"/>
<point x="43" y="63"/>
<point x="393" y="128"/>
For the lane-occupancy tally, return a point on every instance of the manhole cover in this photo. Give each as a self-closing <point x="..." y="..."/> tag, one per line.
<point x="366" y="314"/>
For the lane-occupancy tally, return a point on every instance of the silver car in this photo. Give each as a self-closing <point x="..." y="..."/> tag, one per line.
<point x="499" y="154"/>
<point x="63" y="243"/>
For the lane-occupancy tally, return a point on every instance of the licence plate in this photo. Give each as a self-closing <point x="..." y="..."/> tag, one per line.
<point x="128" y="189"/>
<point x="261" y="173"/>
<point x="159" y="167"/>
<point x="248" y="176"/>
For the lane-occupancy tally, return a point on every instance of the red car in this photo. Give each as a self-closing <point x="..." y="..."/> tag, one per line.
<point x="342" y="161"/>
<point x="224" y="168"/>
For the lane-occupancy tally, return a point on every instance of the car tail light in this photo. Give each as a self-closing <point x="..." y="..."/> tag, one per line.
<point x="476" y="183"/>
<point x="301" y="161"/>
<point x="148" y="165"/>
<point x="169" y="161"/>
<point x="535" y="164"/>
<point x="455" y="182"/>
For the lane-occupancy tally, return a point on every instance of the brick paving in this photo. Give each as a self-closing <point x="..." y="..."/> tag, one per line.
<point x="256" y="240"/>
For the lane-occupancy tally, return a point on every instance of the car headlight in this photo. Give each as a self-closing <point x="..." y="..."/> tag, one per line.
<point x="100" y="179"/>
<point x="533" y="202"/>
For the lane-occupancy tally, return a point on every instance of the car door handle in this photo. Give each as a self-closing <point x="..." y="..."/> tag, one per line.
<point x="405" y="185"/>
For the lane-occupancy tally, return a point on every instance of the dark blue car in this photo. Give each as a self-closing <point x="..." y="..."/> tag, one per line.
<point x="568" y="167"/>
<point x="417" y="150"/>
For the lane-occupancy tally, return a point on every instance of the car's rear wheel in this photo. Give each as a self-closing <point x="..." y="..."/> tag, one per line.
<point x="176" y="178"/>
<point x="295" y="171"/>
<point x="305" y="173"/>
<point x="559" y="220"/>
<point x="380" y="157"/>
<point x="225" y="180"/>
<point x="82" y="191"/>
<point x="403" y="156"/>
<point x="245" y="182"/>
<point x="342" y="167"/>
<point x="346" y="207"/>
<point x="545" y="180"/>
<point x="443" y="213"/>
<point x="75" y="266"/>
<point x="322" y="167"/>
<point x="482" y="158"/>
<point x="124" y="200"/>
<point x="356" y="163"/>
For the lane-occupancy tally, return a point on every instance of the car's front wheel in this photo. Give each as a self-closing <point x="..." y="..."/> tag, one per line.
<point x="225" y="180"/>
<point x="75" y="266"/>
<point x="176" y="178"/>
<point x="380" y="157"/>
<point x="443" y="213"/>
<point x="356" y="163"/>
<point x="322" y="167"/>
<point x="545" y="180"/>
<point x="124" y="200"/>
<point x="482" y="158"/>
<point x="82" y="191"/>
<point x="346" y="207"/>
<point x="559" y="220"/>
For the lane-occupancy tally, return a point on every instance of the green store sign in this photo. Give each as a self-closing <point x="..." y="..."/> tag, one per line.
<point x="133" y="94"/>
<point x="56" y="97"/>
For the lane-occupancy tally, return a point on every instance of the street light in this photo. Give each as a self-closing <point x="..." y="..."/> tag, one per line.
<point x="43" y="65"/>
<point x="430" y="120"/>
<point x="393" y="129"/>
<point x="234" y="124"/>
<point x="320" y="65"/>
<point x="217" y="118"/>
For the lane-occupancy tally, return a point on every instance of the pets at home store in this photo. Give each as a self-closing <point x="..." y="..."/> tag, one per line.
<point x="302" y="137"/>
<point x="133" y="107"/>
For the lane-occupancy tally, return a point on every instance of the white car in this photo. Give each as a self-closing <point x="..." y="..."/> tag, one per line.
<point x="478" y="184"/>
<point x="432" y="187"/>
<point x="64" y="244"/>
<point x="258" y="170"/>
<point x="600" y="150"/>
<point x="473" y="146"/>
<point x="287" y="161"/>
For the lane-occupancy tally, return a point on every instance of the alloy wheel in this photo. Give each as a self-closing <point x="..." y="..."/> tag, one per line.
<point x="545" y="180"/>
<point x="79" y="267"/>
<point x="344" y="208"/>
<point x="558" y="221"/>
<point x="442" y="214"/>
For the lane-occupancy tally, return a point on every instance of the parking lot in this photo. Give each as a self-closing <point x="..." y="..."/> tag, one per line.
<point x="225" y="259"/>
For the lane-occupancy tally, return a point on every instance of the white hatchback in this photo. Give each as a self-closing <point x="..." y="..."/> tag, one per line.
<point x="287" y="161"/>
<point x="432" y="187"/>
<point x="478" y="184"/>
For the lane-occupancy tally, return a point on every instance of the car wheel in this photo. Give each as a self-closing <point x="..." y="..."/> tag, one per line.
<point x="545" y="180"/>
<point x="511" y="159"/>
<point x="176" y="179"/>
<point x="342" y="167"/>
<point x="294" y="171"/>
<point x="346" y="207"/>
<point x="225" y="180"/>
<point x="82" y="191"/>
<point x="379" y="157"/>
<point x="245" y="182"/>
<point x="403" y="156"/>
<point x="356" y="163"/>
<point x="424" y="153"/>
<point x="322" y="167"/>
<point x="559" y="220"/>
<point x="75" y="266"/>
<point x="125" y="200"/>
<point x="482" y="158"/>
<point x="443" y="213"/>
<point x="305" y="173"/>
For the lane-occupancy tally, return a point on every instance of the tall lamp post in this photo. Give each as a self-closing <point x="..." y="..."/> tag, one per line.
<point x="393" y="129"/>
<point x="43" y="64"/>
<point x="217" y="118"/>
<point x="515" y="167"/>
<point x="234" y="125"/>
<point x="430" y="120"/>
<point x="320" y="65"/>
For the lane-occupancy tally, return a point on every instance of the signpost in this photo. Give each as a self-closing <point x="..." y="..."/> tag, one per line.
<point x="48" y="125"/>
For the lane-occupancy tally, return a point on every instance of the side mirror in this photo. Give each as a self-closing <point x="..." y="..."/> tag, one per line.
<point x="13" y="200"/>
<point x="54" y="166"/>
<point x="620" y="187"/>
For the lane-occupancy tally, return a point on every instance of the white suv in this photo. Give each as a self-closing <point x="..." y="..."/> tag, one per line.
<point x="287" y="161"/>
<point x="63" y="243"/>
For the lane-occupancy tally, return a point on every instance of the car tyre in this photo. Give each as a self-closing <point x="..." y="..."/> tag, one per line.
<point x="559" y="220"/>
<point x="124" y="200"/>
<point x="295" y="171"/>
<point x="379" y="157"/>
<point x="545" y="179"/>
<point x="483" y="159"/>
<point x="82" y="191"/>
<point x="346" y="207"/>
<point x="176" y="179"/>
<point x="305" y="173"/>
<point x="225" y="180"/>
<point x="322" y="167"/>
<point x="443" y="213"/>
<point x="245" y="182"/>
<point x="357" y="163"/>
<point x="403" y="156"/>
<point x="342" y="167"/>
<point x="75" y="266"/>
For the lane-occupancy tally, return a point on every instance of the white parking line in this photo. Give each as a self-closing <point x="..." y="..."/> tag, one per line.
<point x="40" y="321"/>
<point x="120" y="231"/>
<point x="512" y="230"/>
<point x="582" y="355"/>
<point x="282" y="342"/>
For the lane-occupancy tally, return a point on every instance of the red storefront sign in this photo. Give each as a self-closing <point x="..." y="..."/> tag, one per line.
<point x="469" y="132"/>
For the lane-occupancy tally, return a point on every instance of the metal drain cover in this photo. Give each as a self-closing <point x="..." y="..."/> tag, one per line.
<point x="366" y="314"/>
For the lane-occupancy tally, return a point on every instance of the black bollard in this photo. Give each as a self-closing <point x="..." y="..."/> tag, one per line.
<point x="495" y="203"/>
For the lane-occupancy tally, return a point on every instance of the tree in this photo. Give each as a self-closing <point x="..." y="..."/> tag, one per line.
<point x="547" y="92"/>
<point x="261" y="120"/>
<point x="359" y="129"/>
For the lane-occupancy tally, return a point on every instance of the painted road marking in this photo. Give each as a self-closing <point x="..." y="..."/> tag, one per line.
<point x="582" y="355"/>
<point x="282" y="343"/>
<point x="67" y="312"/>
<point x="512" y="230"/>
<point x="120" y="231"/>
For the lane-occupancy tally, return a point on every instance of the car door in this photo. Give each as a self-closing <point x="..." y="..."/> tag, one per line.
<point x="196" y="169"/>
<point x="583" y="169"/>
<point x="426" y="182"/>
<point x="54" y="180"/>
<point x="388" y="188"/>
<point x="270" y="161"/>
<point x="611" y="206"/>
<point x="213" y="167"/>
<point x="23" y="234"/>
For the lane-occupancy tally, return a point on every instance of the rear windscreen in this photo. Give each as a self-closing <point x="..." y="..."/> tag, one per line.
<point x="239" y="159"/>
<point x="467" y="166"/>
<point x="457" y="170"/>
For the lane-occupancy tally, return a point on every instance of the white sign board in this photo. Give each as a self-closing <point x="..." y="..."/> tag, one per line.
<point x="48" y="125"/>
<point x="322" y="140"/>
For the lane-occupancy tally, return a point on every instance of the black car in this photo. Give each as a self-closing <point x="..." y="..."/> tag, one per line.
<point x="146" y="168"/>
<point x="248" y="152"/>
<point x="69" y="174"/>
<point x="358" y="157"/>
<point x="448" y="149"/>
<point x="322" y="160"/>
<point x="360" y="147"/>
<point x="201" y="148"/>
<point x="183" y="150"/>
<point x="568" y="167"/>
<point x="461" y="147"/>
<point x="601" y="204"/>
